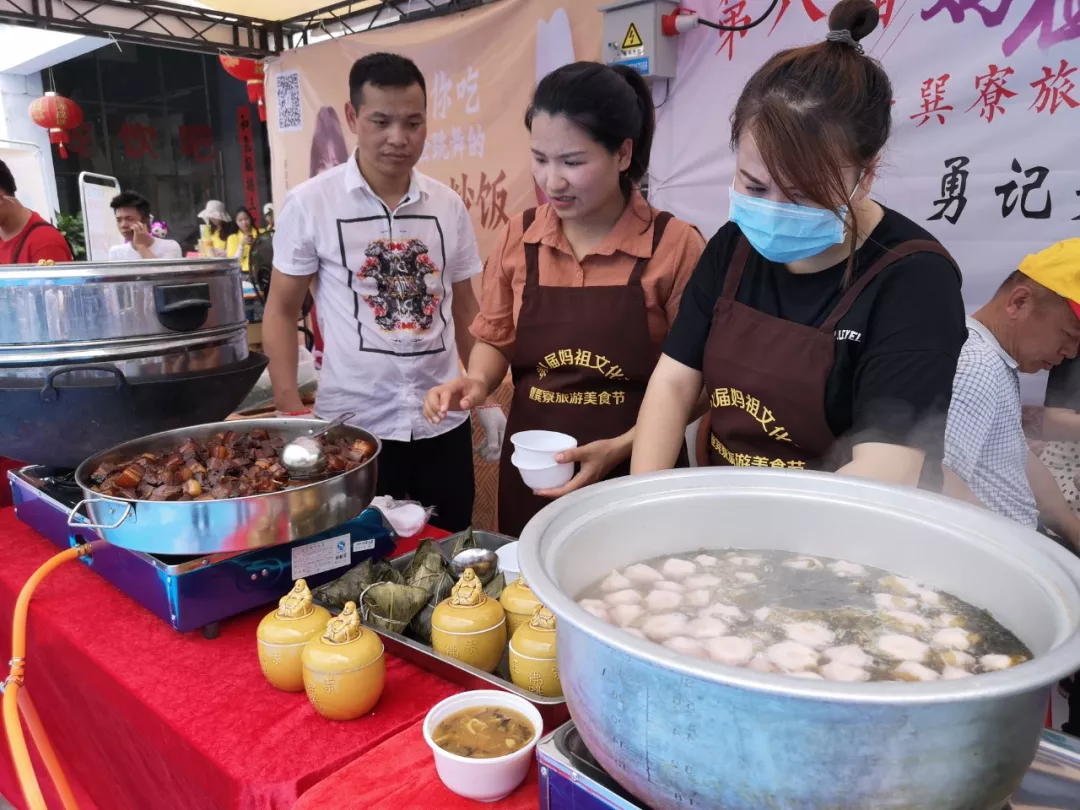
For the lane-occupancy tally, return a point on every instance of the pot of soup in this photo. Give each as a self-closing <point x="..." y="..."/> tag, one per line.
<point x="754" y="639"/>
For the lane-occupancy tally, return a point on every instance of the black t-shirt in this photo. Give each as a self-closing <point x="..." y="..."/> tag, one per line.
<point x="896" y="349"/>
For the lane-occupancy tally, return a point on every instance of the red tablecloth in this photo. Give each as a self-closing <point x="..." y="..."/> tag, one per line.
<point x="410" y="784"/>
<point x="145" y="718"/>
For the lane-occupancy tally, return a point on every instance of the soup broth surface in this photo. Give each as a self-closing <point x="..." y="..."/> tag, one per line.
<point x="803" y="616"/>
<point x="483" y="732"/>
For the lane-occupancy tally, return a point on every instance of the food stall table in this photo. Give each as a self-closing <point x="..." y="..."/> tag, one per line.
<point x="411" y="783"/>
<point x="142" y="716"/>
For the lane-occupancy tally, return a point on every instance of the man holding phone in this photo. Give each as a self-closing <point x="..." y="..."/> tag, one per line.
<point x="133" y="220"/>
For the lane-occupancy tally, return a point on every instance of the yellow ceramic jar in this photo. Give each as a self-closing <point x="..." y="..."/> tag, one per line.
<point x="344" y="668"/>
<point x="533" y="662"/>
<point x="520" y="603"/>
<point x="469" y="625"/>
<point x="283" y="634"/>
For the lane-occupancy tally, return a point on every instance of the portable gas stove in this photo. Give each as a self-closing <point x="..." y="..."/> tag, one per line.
<point x="572" y="779"/>
<point x="197" y="592"/>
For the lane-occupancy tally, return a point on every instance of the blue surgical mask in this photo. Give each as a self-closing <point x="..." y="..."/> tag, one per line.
<point x="784" y="232"/>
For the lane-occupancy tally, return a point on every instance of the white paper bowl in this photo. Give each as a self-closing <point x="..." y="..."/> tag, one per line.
<point x="545" y="475"/>
<point x="508" y="560"/>
<point x="485" y="780"/>
<point x="537" y="448"/>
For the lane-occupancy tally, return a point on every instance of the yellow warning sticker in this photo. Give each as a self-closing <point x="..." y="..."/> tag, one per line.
<point x="632" y="38"/>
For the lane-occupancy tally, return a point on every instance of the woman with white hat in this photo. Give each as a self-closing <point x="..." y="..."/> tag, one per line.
<point x="216" y="217"/>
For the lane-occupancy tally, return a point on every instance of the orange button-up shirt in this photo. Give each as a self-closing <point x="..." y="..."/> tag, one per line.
<point x="610" y="263"/>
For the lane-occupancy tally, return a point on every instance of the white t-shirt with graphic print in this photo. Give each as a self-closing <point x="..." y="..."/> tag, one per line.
<point x="383" y="294"/>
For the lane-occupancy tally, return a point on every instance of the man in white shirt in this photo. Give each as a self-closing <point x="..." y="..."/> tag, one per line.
<point x="1031" y="324"/>
<point x="392" y="252"/>
<point x="132" y="213"/>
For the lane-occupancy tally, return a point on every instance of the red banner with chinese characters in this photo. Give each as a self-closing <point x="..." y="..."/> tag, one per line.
<point x="247" y="160"/>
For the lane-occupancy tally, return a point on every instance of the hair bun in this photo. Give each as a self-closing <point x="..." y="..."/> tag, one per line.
<point x="860" y="17"/>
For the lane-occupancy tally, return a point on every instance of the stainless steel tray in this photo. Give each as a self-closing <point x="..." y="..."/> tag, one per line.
<point x="553" y="710"/>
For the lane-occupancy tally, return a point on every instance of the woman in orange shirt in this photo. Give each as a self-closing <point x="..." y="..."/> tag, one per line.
<point x="578" y="294"/>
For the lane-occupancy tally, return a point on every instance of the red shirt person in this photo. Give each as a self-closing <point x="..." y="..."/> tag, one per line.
<point x="26" y="238"/>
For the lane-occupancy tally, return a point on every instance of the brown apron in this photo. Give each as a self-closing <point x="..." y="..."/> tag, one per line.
<point x="766" y="377"/>
<point x="581" y="363"/>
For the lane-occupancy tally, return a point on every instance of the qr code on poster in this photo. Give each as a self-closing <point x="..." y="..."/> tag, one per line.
<point x="290" y="116"/>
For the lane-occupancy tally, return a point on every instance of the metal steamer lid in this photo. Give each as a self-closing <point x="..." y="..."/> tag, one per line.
<point x="93" y="312"/>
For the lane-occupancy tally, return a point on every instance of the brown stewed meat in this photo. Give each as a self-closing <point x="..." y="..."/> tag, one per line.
<point x="227" y="465"/>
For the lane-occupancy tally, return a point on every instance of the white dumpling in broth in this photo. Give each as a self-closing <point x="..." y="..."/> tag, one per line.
<point x="686" y="646"/>
<point x="889" y="601"/>
<point x="900" y="585"/>
<point x="914" y="671"/>
<point x="996" y="662"/>
<point x="745" y="560"/>
<point x="733" y="651"/>
<point x="633" y="631"/>
<point x="931" y="598"/>
<point x="803" y="563"/>
<point x="663" y="601"/>
<point x="952" y="638"/>
<point x="678" y="569"/>
<point x="850" y="655"/>
<point x="627" y="597"/>
<point x="706" y="561"/>
<point x="812" y="634"/>
<point x="641" y="574"/>
<point x="720" y="610"/>
<point x="702" y="581"/>
<point x="624" y="615"/>
<point x="615" y="582"/>
<point x="948" y="620"/>
<point x="706" y="627"/>
<point x="954" y="673"/>
<point x="902" y="648"/>
<point x="791" y="656"/>
<point x="698" y="599"/>
<point x="846" y="673"/>
<point x="760" y="663"/>
<point x="747" y="577"/>
<point x="906" y="620"/>
<point x="596" y="607"/>
<point x="957" y="659"/>
<point x="665" y="626"/>
<point x="668" y="585"/>
<point x="843" y="568"/>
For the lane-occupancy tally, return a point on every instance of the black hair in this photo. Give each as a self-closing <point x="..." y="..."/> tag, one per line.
<point x="611" y="104"/>
<point x="236" y="217"/>
<point x="383" y="70"/>
<point x="131" y="199"/>
<point x="7" y="180"/>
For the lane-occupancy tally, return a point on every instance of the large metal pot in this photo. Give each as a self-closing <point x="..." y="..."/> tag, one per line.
<point x="680" y="732"/>
<point x="236" y="524"/>
<point x="149" y="317"/>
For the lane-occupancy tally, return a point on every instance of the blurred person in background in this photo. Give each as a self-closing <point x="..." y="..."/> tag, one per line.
<point x="239" y="244"/>
<point x="217" y="219"/>
<point x="393" y="252"/>
<point x="26" y="238"/>
<point x="328" y="147"/>
<point x="132" y="212"/>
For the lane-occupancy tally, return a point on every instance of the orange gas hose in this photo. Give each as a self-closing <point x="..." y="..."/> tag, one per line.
<point x="20" y="754"/>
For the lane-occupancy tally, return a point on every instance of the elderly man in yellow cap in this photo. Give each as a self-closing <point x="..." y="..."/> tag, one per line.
<point x="1032" y="323"/>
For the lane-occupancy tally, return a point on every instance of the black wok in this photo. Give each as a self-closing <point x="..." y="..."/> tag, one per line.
<point x="59" y="423"/>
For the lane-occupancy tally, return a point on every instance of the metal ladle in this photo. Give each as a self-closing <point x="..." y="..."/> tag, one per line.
<point x="304" y="457"/>
<point x="484" y="563"/>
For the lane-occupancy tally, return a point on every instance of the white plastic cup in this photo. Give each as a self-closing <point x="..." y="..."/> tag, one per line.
<point x="537" y="448"/>
<point x="484" y="780"/>
<point x="545" y="475"/>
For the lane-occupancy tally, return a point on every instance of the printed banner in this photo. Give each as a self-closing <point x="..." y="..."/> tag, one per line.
<point x="247" y="161"/>
<point x="985" y="150"/>
<point x="480" y="68"/>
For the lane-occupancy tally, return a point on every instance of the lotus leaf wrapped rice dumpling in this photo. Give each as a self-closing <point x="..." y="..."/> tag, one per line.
<point x="389" y="606"/>
<point x="429" y="572"/>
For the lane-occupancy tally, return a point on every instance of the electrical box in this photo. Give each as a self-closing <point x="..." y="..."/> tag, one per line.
<point x="632" y="37"/>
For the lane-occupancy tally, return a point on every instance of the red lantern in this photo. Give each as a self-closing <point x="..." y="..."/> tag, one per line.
<point x="57" y="114"/>
<point x="250" y="71"/>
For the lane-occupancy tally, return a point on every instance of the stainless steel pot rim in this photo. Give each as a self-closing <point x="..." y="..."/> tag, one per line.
<point x="1061" y="661"/>
<point x="82" y="473"/>
<point x="159" y="270"/>
<point x="89" y="351"/>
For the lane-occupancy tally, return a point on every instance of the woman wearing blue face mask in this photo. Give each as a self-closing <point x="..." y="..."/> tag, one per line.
<point x="824" y="327"/>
